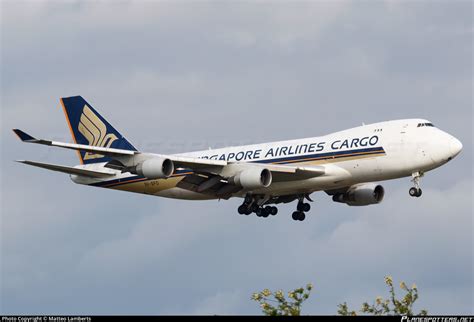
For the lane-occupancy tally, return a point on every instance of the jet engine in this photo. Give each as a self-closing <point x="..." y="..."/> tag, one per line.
<point x="252" y="178"/>
<point x="361" y="195"/>
<point x="156" y="168"/>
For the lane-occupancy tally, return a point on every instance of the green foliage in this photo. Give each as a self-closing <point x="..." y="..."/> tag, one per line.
<point x="280" y="305"/>
<point x="391" y="306"/>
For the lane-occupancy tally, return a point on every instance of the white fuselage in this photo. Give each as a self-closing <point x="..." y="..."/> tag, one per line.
<point x="374" y="152"/>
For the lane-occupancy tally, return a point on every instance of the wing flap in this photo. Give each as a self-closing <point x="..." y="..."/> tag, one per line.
<point x="292" y="173"/>
<point x="70" y="170"/>
<point x="192" y="163"/>
<point x="279" y="172"/>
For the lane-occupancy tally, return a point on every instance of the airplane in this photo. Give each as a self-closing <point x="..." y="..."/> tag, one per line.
<point x="344" y="164"/>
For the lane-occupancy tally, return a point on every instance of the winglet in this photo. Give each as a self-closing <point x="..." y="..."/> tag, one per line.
<point x="23" y="136"/>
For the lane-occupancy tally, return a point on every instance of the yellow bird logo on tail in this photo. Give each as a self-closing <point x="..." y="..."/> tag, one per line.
<point x="95" y="131"/>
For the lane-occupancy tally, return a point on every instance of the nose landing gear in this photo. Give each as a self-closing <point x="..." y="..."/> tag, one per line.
<point x="416" y="190"/>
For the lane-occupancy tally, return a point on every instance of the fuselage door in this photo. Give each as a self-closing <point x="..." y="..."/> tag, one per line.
<point x="403" y="133"/>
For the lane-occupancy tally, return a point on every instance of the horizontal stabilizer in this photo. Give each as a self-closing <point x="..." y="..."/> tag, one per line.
<point x="23" y="136"/>
<point x="80" y="147"/>
<point x="70" y="170"/>
<point x="180" y="161"/>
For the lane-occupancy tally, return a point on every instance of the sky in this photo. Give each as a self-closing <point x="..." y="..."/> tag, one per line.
<point x="182" y="76"/>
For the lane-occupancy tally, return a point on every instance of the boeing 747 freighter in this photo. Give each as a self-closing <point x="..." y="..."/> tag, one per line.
<point x="344" y="164"/>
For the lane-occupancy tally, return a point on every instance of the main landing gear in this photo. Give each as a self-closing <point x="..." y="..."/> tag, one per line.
<point x="260" y="211"/>
<point x="256" y="204"/>
<point x="301" y="208"/>
<point x="416" y="190"/>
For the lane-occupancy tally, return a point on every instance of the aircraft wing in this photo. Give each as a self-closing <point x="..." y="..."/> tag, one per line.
<point x="198" y="165"/>
<point x="217" y="185"/>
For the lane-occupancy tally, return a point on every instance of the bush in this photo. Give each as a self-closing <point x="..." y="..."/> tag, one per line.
<point x="280" y="305"/>
<point x="390" y="306"/>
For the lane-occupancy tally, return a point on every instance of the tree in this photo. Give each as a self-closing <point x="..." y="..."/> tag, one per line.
<point x="281" y="305"/>
<point x="391" y="306"/>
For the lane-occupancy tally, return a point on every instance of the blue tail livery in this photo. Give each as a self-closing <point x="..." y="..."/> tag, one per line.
<point x="89" y="128"/>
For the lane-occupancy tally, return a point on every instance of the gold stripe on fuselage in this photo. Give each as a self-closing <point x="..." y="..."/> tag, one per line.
<point x="152" y="186"/>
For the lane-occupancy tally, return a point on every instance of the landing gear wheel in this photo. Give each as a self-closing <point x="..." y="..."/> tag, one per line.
<point x="295" y="215"/>
<point x="299" y="206"/>
<point x="274" y="211"/>
<point x="414" y="192"/>
<point x="303" y="206"/>
<point x="254" y="208"/>
<point x="306" y="207"/>
<point x="269" y="210"/>
<point x="242" y="209"/>
<point x="298" y="215"/>
<point x="302" y="216"/>
<point x="259" y="212"/>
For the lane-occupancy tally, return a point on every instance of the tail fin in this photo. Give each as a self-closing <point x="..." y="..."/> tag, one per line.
<point x="90" y="128"/>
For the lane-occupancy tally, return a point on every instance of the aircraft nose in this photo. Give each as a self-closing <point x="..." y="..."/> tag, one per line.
<point x="455" y="146"/>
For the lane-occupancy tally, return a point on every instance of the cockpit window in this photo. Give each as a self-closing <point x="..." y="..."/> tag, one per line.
<point x="425" y="124"/>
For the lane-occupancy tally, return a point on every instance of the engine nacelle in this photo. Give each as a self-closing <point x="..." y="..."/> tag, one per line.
<point x="361" y="195"/>
<point x="252" y="178"/>
<point x="156" y="168"/>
